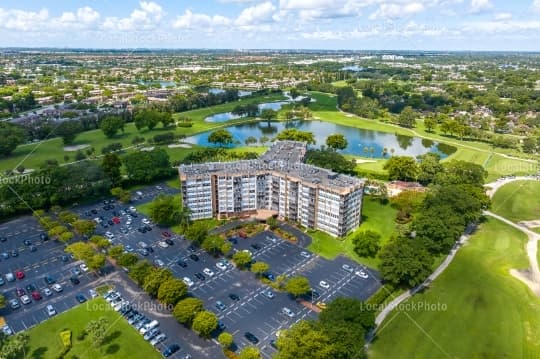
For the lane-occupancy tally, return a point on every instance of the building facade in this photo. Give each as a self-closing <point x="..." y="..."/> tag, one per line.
<point x="279" y="181"/>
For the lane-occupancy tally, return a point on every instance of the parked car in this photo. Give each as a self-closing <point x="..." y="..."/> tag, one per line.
<point x="181" y="263"/>
<point x="47" y="292"/>
<point x="159" y="263"/>
<point x="169" y="241"/>
<point x="234" y="297"/>
<point x="74" y="280"/>
<point x="324" y="284"/>
<point x="305" y="254"/>
<point x="268" y="294"/>
<point x="153" y="324"/>
<point x="188" y="281"/>
<point x="170" y="350"/>
<point x="80" y="298"/>
<point x="50" y="310"/>
<point x="194" y="257"/>
<point x="208" y="272"/>
<point x="48" y="280"/>
<point x="14" y="303"/>
<point x="158" y="339"/>
<point x="200" y="276"/>
<point x="288" y="312"/>
<point x="57" y="288"/>
<point x="36" y="295"/>
<point x="84" y="267"/>
<point x="220" y="305"/>
<point x="362" y="274"/>
<point x="25" y="299"/>
<point x="251" y="337"/>
<point x="347" y="268"/>
<point x="163" y="244"/>
<point x="19" y="274"/>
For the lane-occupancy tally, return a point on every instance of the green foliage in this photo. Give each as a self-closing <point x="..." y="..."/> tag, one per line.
<point x="259" y="268"/>
<point x="336" y="141"/>
<point x="97" y="329"/>
<point x="124" y="196"/>
<point x="186" y="309"/>
<point x="297" y="286"/>
<point x="127" y="259"/>
<point x="68" y="130"/>
<point x="204" y="323"/>
<point x="147" y="166"/>
<point x="116" y="251"/>
<point x="197" y="232"/>
<point x="11" y="136"/>
<point x="84" y="226"/>
<point x="367" y="243"/>
<point x="213" y="154"/>
<point x="305" y="340"/>
<point x="154" y="279"/>
<point x="331" y="160"/>
<point x="213" y="244"/>
<point x="242" y="259"/>
<point x="221" y="137"/>
<point x="140" y="271"/>
<point x="407" y="117"/>
<point x="111" y="166"/>
<point x="110" y="125"/>
<point x="168" y="211"/>
<point x="249" y="352"/>
<point x="292" y="134"/>
<point x="402" y="168"/>
<point x="225" y="339"/>
<point x="164" y="138"/>
<point x="405" y="262"/>
<point x="171" y="291"/>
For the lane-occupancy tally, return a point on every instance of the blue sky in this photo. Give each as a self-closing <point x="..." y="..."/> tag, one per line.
<point x="262" y="24"/>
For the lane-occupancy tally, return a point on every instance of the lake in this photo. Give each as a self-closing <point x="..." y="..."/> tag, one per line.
<point x="361" y="142"/>
<point x="241" y="93"/>
<point x="226" y="116"/>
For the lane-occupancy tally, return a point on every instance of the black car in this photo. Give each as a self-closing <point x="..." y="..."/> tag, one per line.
<point x="133" y="214"/>
<point x="148" y="228"/>
<point x="30" y="288"/>
<point x="200" y="276"/>
<point x="64" y="258"/>
<point x="192" y="248"/>
<point x="74" y="280"/>
<point x="273" y="343"/>
<point x="141" y="229"/>
<point x="169" y="241"/>
<point x="150" y="249"/>
<point x="194" y="257"/>
<point x="94" y="211"/>
<point x="232" y="240"/>
<point x="181" y="263"/>
<point x="251" y="337"/>
<point x="221" y="325"/>
<point x="80" y="298"/>
<point x="170" y="350"/>
<point x="255" y="246"/>
<point x="234" y="297"/>
<point x="27" y="242"/>
<point x="14" y="253"/>
<point x="269" y="276"/>
<point x="49" y="280"/>
<point x="110" y="222"/>
<point x="33" y="248"/>
<point x="3" y="239"/>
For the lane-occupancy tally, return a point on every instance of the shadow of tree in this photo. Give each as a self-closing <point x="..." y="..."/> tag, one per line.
<point x="111" y="337"/>
<point x="39" y="353"/>
<point x="111" y="349"/>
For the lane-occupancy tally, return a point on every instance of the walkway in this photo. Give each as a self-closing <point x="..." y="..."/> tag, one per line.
<point x="532" y="280"/>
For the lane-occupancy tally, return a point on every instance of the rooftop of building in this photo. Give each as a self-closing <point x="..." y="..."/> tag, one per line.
<point x="284" y="157"/>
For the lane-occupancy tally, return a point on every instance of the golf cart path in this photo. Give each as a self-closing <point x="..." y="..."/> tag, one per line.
<point x="532" y="279"/>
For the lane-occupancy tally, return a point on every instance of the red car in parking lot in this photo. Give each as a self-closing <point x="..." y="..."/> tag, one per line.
<point x="19" y="274"/>
<point x="166" y="234"/>
<point x="116" y="220"/>
<point x="36" y="295"/>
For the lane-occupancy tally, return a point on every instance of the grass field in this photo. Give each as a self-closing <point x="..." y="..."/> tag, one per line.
<point x="122" y="341"/>
<point x="518" y="201"/>
<point x="477" y="309"/>
<point x="375" y="217"/>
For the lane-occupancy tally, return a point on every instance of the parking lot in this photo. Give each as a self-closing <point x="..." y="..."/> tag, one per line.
<point x="46" y="260"/>
<point x="244" y="304"/>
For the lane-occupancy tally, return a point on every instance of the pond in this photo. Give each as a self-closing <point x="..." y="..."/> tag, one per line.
<point x="226" y="116"/>
<point x="241" y="93"/>
<point x="361" y="142"/>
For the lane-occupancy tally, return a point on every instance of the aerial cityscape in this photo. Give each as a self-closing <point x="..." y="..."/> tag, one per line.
<point x="289" y="179"/>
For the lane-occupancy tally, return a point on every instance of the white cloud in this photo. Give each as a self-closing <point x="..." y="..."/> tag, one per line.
<point x="506" y="27"/>
<point x="536" y="5"/>
<point x="308" y="10"/>
<point x="146" y="17"/>
<point x="395" y="11"/>
<point x="257" y="14"/>
<point x="501" y="16"/>
<point x="478" y="6"/>
<point x="23" y="20"/>
<point x="192" y="20"/>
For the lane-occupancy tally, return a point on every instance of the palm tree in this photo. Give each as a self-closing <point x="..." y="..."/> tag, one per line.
<point x="384" y="151"/>
<point x="392" y="150"/>
<point x="371" y="151"/>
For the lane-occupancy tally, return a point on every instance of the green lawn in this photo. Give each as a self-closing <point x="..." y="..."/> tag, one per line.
<point x="477" y="310"/>
<point x="123" y="341"/>
<point x="375" y="217"/>
<point x="518" y="201"/>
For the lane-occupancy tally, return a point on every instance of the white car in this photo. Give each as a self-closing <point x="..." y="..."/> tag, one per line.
<point x="305" y="254"/>
<point x="25" y="299"/>
<point x="47" y="292"/>
<point x="57" y="288"/>
<point x="50" y="310"/>
<point x="288" y="312"/>
<point x="208" y="272"/>
<point x="163" y="244"/>
<point x="324" y="284"/>
<point x="109" y="235"/>
<point x="145" y="221"/>
<point x="347" y="268"/>
<point x="84" y="267"/>
<point x="221" y="266"/>
<point x="158" y="339"/>
<point x="188" y="281"/>
<point x="159" y="263"/>
<point x="133" y="209"/>
<point x="92" y="293"/>
<point x="361" y="274"/>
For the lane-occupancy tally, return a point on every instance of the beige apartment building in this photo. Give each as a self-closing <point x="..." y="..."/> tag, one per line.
<point x="279" y="181"/>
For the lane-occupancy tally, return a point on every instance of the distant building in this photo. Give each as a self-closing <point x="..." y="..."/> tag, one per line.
<point x="280" y="182"/>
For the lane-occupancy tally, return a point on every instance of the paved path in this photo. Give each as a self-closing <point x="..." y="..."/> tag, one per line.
<point x="531" y="252"/>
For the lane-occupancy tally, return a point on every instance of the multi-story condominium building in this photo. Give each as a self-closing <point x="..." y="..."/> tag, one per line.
<point x="279" y="181"/>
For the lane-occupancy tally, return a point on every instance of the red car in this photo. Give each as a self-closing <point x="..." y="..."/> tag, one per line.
<point x="36" y="295"/>
<point x="166" y="234"/>
<point x="19" y="274"/>
<point x="116" y="220"/>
